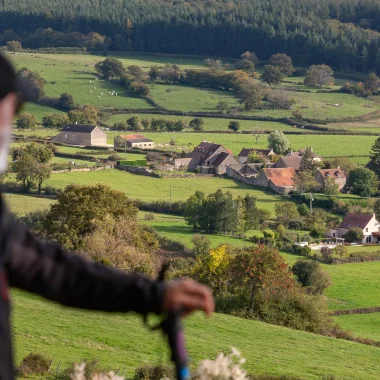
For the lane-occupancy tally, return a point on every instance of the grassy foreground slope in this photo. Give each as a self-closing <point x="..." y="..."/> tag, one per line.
<point x="122" y="342"/>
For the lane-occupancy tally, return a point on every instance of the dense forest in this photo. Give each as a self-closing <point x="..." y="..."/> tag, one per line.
<point x="344" y="34"/>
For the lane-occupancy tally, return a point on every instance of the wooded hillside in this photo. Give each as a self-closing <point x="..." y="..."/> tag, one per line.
<point x="340" y="33"/>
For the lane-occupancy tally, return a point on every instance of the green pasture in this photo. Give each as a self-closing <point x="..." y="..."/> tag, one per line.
<point x="175" y="228"/>
<point x="23" y="204"/>
<point x="324" y="145"/>
<point x="186" y="98"/>
<point x="151" y="189"/>
<point x="210" y="124"/>
<point x="320" y="106"/>
<point x="363" y="325"/>
<point x="354" y="285"/>
<point x="72" y="74"/>
<point x="40" y="111"/>
<point x="63" y="160"/>
<point x="119" y="342"/>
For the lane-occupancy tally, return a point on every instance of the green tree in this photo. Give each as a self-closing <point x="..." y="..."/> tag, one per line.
<point x="136" y="71"/>
<point x="55" y="120"/>
<point x="42" y="172"/>
<point x="36" y="82"/>
<point x="223" y="106"/>
<point x="201" y="243"/>
<point x="24" y="168"/>
<point x="110" y="68"/>
<point x="307" y="161"/>
<point x="250" y="93"/>
<point x="344" y="163"/>
<point x="283" y="62"/>
<point x="42" y="153"/>
<point x="197" y="124"/>
<point x="331" y="187"/>
<point x="234" y="126"/>
<point x="372" y="83"/>
<point x="26" y="121"/>
<point x="286" y="212"/>
<point x="134" y="123"/>
<point x="278" y="142"/>
<point x="374" y="162"/>
<point x="272" y="75"/>
<point x="303" y="270"/>
<point x="77" y="117"/>
<point x="154" y="72"/>
<point x="354" y="234"/>
<point x="66" y="102"/>
<point x="303" y="209"/>
<point x="319" y="76"/>
<point x="245" y="65"/>
<point x="146" y="123"/>
<point x="255" y="158"/>
<point x="14" y="46"/>
<point x="250" y="56"/>
<point x="80" y="209"/>
<point x="139" y="88"/>
<point x="305" y="182"/>
<point x="91" y="113"/>
<point x="363" y="182"/>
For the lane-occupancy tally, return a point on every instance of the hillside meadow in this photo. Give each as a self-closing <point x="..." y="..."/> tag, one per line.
<point x="152" y="189"/>
<point x="122" y="342"/>
<point x="363" y="325"/>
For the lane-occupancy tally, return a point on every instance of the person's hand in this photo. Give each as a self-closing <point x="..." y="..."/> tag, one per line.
<point x="188" y="296"/>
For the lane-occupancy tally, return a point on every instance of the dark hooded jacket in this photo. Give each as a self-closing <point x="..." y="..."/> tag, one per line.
<point x="45" y="269"/>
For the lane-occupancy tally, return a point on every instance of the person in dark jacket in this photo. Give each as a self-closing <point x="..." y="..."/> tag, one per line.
<point x="46" y="269"/>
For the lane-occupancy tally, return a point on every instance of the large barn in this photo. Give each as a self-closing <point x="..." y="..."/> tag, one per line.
<point x="81" y="134"/>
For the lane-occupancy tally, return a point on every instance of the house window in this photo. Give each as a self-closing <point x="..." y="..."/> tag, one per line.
<point x="65" y="135"/>
<point x="366" y="230"/>
<point x="334" y="234"/>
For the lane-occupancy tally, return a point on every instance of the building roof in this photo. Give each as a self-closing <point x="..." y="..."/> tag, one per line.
<point x="79" y="128"/>
<point x="281" y="177"/>
<point x="356" y="220"/>
<point x="292" y="161"/>
<point x="300" y="153"/>
<point x="131" y="137"/>
<point x="333" y="173"/>
<point x="221" y="158"/>
<point x="143" y="140"/>
<point x="247" y="151"/>
<point x="204" y="151"/>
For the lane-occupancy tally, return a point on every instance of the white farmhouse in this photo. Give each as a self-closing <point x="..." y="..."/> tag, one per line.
<point x="366" y="222"/>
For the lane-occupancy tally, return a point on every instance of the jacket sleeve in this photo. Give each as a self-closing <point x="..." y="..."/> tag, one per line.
<point x="69" y="279"/>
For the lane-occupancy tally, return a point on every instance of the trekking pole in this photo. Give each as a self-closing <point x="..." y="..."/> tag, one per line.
<point x="173" y="329"/>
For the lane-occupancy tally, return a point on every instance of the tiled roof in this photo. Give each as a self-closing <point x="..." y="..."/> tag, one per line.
<point x="131" y="137"/>
<point x="333" y="173"/>
<point x="292" y="162"/>
<point x="282" y="177"/>
<point x="78" y="128"/>
<point x="356" y="220"/>
<point x="222" y="156"/>
<point x="247" y="151"/>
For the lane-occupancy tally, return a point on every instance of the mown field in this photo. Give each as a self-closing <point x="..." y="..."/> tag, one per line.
<point x="22" y="204"/>
<point x="151" y="189"/>
<point x="363" y="325"/>
<point x="120" y="342"/>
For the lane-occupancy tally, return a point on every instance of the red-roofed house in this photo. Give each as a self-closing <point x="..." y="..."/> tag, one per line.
<point x="366" y="222"/>
<point x="336" y="174"/>
<point x="133" y="141"/>
<point x="279" y="180"/>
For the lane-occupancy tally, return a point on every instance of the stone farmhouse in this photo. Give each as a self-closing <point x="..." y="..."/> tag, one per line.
<point x="210" y="158"/>
<point x="244" y="154"/>
<point x="366" y="222"/>
<point x="133" y="141"/>
<point x="279" y="180"/>
<point x="336" y="174"/>
<point x="81" y="134"/>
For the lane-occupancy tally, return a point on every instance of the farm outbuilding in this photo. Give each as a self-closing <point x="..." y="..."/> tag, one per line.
<point x="81" y="134"/>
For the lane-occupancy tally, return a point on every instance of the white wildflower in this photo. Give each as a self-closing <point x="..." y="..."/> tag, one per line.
<point x="79" y="372"/>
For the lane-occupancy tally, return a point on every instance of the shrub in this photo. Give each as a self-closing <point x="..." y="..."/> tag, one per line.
<point x="354" y="234"/>
<point x="319" y="281"/>
<point x="303" y="270"/>
<point x="114" y="157"/>
<point x="149" y="372"/>
<point x="149" y="216"/>
<point x="268" y="234"/>
<point x="33" y="364"/>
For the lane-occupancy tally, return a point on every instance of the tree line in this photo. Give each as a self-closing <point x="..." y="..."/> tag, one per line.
<point x="340" y="33"/>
